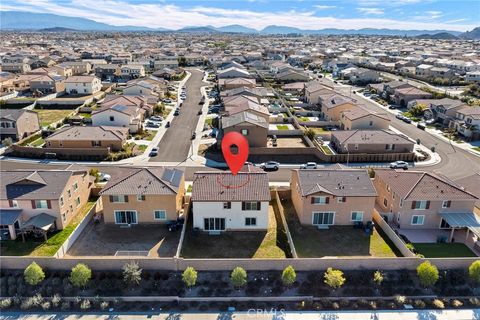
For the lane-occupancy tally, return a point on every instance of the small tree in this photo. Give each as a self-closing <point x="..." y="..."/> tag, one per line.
<point x="189" y="277"/>
<point x="132" y="274"/>
<point x="418" y="110"/>
<point x="238" y="277"/>
<point x="288" y="276"/>
<point x="309" y="133"/>
<point x="427" y="273"/>
<point x="474" y="271"/>
<point x="33" y="274"/>
<point x="378" y="277"/>
<point x="334" y="278"/>
<point x="80" y="275"/>
<point x="95" y="173"/>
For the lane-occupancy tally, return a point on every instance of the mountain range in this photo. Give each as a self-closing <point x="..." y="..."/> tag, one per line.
<point x="19" y="20"/>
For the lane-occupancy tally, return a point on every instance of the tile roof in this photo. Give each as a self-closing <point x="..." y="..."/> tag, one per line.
<point x="418" y="185"/>
<point x="369" y="136"/>
<point x="90" y="133"/>
<point x="245" y="186"/>
<point x="337" y="182"/>
<point x="242" y="117"/>
<point x="148" y="181"/>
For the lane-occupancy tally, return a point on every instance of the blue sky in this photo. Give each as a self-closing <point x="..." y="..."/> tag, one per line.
<point x="344" y="14"/>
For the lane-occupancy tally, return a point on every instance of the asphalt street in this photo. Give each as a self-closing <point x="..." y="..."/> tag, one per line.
<point x="175" y="144"/>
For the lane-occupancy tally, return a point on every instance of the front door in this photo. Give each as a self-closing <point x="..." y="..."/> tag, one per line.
<point x="214" y="224"/>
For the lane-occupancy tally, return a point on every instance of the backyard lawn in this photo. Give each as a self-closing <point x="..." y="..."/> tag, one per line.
<point x="146" y="135"/>
<point x="50" y="116"/>
<point x="282" y="127"/>
<point x="42" y="248"/>
<point x="326" y="150"/>
<point x="311" y="242"/>
<point x="234" y="244"/>
<point x="443" y="250"/>
<point x="476" y="149"/>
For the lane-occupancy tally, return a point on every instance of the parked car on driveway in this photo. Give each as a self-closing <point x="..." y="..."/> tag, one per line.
<point x="270" y="165"/>
<point x="156" y="118"/>
<point x="104" y="176"/>
<point x="399" y="165"/>
<point x="151" y="124"/>
<point x="154" y="152"/>
<point x="309" y="165"/>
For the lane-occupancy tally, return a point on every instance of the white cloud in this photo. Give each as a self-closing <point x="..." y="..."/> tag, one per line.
<point x="376" y="11"/>
<point x="154" y="15"/>
<point x="320" y="7"/>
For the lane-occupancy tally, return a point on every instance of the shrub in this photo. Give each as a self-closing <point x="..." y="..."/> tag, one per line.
<point x="46" y="305"/>
<point x="457" y="303"/>
<point x="80" y="275"/>
<point x="288" y="276"/>
<point x="65" y="305"/>
<point x="104" y="305"/>
<point x="420" y="304"/>
<point x="427" y="273"/>
<point x="238" y="277"/>
<point x="85" y="304"/>
<point x="474" y="301"/>
<point x="474" y="271"/>
<point x="334" y="278"/>
<point x="189" y="277"/>
<point x="378" y="277"/>
<point x="437" y="303"/>
<point x="33" y="274"/>
<point x="132" y="274"/>
<point x="5" y="303"/>
<point x="56" y="300"/>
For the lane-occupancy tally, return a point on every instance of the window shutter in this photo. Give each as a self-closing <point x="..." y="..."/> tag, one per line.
<point x="449" y="203"/>
<point x="414" y="203"/>
<point x="243" y="206"/>
<point x="10" y="203"/>
<point x="428" y="205"/>
<point x="126" y="198"/>
<point x="344" y="199"/>
<point x="34" y="206"/>
<point x="111" y="198"/>
<point x="327" y="199"/>
<point x="312" y="200"/>
<point x="49" y="204"/>
<point x="259" y="204"/>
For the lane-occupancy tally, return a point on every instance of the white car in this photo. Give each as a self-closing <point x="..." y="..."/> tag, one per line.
<point x="309" y="165"/>
<point x="270" y="165"/>
<point x="399" y="165"/>
<point x="104" y="176"/>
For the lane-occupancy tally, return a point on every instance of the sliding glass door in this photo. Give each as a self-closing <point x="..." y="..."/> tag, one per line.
<point x="214" y="224"/>
<point x="126" y="217"/>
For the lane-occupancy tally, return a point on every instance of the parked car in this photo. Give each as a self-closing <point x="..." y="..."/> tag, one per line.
<point x="177" y="112"/>
<point x="200" y="112"/>
<point x="430" y="121"/>
<point x="421" y="126"/>
<point x="154" y="152"/>
<point x="248" y="163"/>
<point x="202" y="101"/>
<point x="309" y="165"/>
<point x="392" y="107"/>
<point x="194" y="135"/>
<point x="156" y="118"/>
<point x="400" y="116"/>
<point x="270" y="165"/>
<point x="167" y="125"/>
<point x="151" y="124"/>
<point x="103" y="176"/>
<point x="406" y="120"/>
<point x="399" y="165"/>
<point x="167" y="100"/>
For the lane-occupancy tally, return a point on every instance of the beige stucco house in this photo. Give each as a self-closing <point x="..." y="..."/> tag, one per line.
<point x="328" y="197"/>
<point x="146" y="195"/>
<point x="18" y="123"/>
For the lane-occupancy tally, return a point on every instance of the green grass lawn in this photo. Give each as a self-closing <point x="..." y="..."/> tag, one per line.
<point x="311" y="242"/>
<point x="234" y="244"/>
<point x="326" y="150"/>
<point x="85" y="115"/>
<point x="304" y="119"/>
<point x="146" y="135"/>
<point x="282" y="127"/>
<point x="48" y="248"/>
<point x="476" y="149"/>
<point x="209" y="121"/>
<point x="50" y="116"/>
<point x="142" y="147"/>
<point x="37" y="143"/>
<point x="443" y="250"/>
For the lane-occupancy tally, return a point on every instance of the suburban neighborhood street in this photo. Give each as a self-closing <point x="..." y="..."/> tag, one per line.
<point x="176" y="142"/>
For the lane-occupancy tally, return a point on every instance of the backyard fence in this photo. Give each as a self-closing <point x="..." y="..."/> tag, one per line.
<point x="392" y="235"/>
<point x="76" y="154"/>
<point x="276" y="196"/>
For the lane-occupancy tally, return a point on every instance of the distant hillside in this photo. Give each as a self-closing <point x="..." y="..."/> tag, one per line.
<point x="471" y="35"/>
<point x="438" y="36"/>
<point x="19" y="20"/>
<point x="57" y="29"/>
<point x="236" y="28"/>
<point x="207" y="29"/>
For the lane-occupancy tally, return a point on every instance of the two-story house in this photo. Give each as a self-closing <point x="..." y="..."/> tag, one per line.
<point x="467" y="122"/>
<point x="42" y="199"/>
<point x="328" y="197"/>
<point x="222" y="201"/>
<point x="142" y="196"/>
<point x="423" y="200"/>
<point x="84" y="85"/>
<point x="18" y="123"/>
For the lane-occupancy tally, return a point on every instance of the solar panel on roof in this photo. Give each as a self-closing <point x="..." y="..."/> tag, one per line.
<point x="177" y="177"/>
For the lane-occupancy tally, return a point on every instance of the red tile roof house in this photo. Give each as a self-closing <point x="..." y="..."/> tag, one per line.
<point x="416" y="200"/>
<point x="328" y="197"/>
<point x="222" y="201"/>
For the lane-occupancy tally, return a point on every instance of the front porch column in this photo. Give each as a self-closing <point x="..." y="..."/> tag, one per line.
<point x="451" y="235"/>
<point x="13" y="233"/>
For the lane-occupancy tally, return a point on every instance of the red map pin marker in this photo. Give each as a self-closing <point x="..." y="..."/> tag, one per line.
<point x="235" y="161"/>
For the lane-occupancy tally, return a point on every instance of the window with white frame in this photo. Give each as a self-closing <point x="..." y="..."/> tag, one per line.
<point x="118" y="198"/>
<point x="446" y="204"/>
<point x="250" y="206"/>
<point x="323" y="218"/>
<point x="75" y="186"/>
<point x="69" y="193"/>
<point x="319" y="200"/>
<point x="418" y="220"/>
<point x="77" y="201"/>
<point x="357" y="215"/>
<point x="341" y="199"/>
<point x="160" y="215"/>
<point x="140" y="197"/>
<point x="245" y="132"/>
<point x="41" y="204"/>
<point x="420" y="205"/>
<point x="61" y="201"/>
<point x="64" y="216"/>
<point x="14" y="204"/>
<point x="227" y="205"/>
